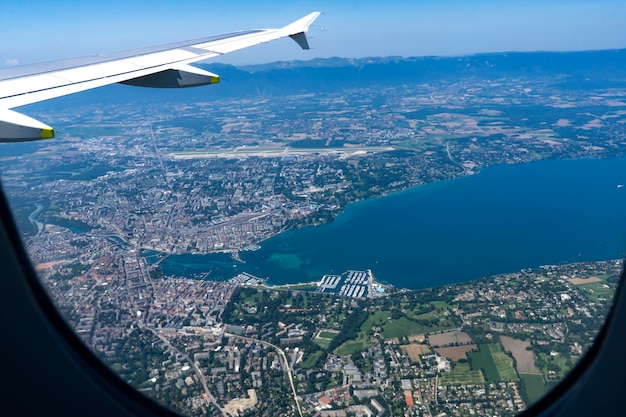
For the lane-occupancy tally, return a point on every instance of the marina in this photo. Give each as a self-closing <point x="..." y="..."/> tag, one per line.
<point x="353" y="284"/>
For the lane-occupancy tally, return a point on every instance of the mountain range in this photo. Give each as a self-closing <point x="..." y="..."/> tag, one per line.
<point x="571" y="70"/>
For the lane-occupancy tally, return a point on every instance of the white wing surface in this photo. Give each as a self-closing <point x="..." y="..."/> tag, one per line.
<point x="165" y="66"/>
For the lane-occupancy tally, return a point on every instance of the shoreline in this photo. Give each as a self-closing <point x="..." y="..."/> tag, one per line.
<point x="278" y="287"/>
<point x="476" y="220"/>
<point x="255" y="246"/>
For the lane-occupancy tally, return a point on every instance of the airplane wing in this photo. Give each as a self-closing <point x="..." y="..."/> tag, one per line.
<point x="165" y="66"/>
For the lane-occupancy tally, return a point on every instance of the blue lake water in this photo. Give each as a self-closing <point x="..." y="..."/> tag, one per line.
<point x="504" y="219"/>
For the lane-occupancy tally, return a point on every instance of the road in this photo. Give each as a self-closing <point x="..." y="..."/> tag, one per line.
<point x="142" y="325"/>
<point x="285" y="361"/>
<point x="195" y="368"/>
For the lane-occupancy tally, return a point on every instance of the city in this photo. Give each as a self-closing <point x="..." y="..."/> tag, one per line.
<point x="134" y="183"/>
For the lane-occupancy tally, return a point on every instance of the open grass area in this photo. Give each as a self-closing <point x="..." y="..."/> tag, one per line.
<point x="441" y="304"/>
<point x="322" y="342"/>
<point x="425" y="316"/>
<point x="415" y="314"/>
<point x="324" y="338"/>
<point x="253" y="299"/>
<point x="462" y="374"/>
<point x="496" y="365"/>
<point x="482" y="360"/>
<point x="361" y="342"/>
<point x="378" y="318"/>
<point x="402" y="327"/>
<point x="598" y="291"/>
<point x="535" y="386"/>
<point x="350" y="347"/>
<point x="559" y="360"/>
<point x="504" y="364"/>
<point x="309" y="360"/>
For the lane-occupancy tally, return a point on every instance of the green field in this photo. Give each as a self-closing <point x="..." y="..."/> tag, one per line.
<point x="442" y="305"/>
<point x="598" y="291"/>
<point x="412" y="324"/>
<point x="322" y="342"/>
<point x="309" y="360"/>
<point x="402" y="327"/>
<point x="462" y="374"/>
<point x="504" y="364"/>
<point x="327" y="335"/>
<point x="361" y="342"/>
<point x="323" y="339"/>
<point x="496" y="365"/>
<point x="378" y="318"/>
<point x="482" y="360"/>
<point x="350" y="347"/>
<point x="558" y="360"/>
<point x="535" y="386"/>
<point x="253" y="299"/>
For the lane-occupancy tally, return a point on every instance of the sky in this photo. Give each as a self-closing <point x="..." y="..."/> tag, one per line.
<point x="34" y="31"/>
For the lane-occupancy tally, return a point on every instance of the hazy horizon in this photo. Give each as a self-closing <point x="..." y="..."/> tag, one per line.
<point x="39" y="31"/>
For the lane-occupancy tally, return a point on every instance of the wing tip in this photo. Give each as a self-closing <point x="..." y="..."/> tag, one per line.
<point x="298" y="30"/>
<point x="16" y="127"/>
<point x="46" y="133"/>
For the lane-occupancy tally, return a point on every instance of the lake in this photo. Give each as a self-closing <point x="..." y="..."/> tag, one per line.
<point x="504" y="219"/>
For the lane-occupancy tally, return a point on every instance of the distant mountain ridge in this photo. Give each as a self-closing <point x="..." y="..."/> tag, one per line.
<point x="584" y="70"/>
<point x="334" y="73"/>
<point x="549" y="60"/>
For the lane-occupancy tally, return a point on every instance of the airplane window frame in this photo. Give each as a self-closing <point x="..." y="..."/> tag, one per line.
<point x="77" y="354"/>
<point x="555" y="401"/>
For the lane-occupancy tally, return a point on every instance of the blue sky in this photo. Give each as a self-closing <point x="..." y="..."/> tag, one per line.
<point x="43" y="30"/>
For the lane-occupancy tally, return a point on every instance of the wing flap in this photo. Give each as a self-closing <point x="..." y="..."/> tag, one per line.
<point x="156" y="59"/>
<point x="184" y="76"/>
<point x="58" y="88"/>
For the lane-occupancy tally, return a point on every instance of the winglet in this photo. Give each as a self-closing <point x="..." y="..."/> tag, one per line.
<point x="299" y="29"/>
<point x="301" y="39"/>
